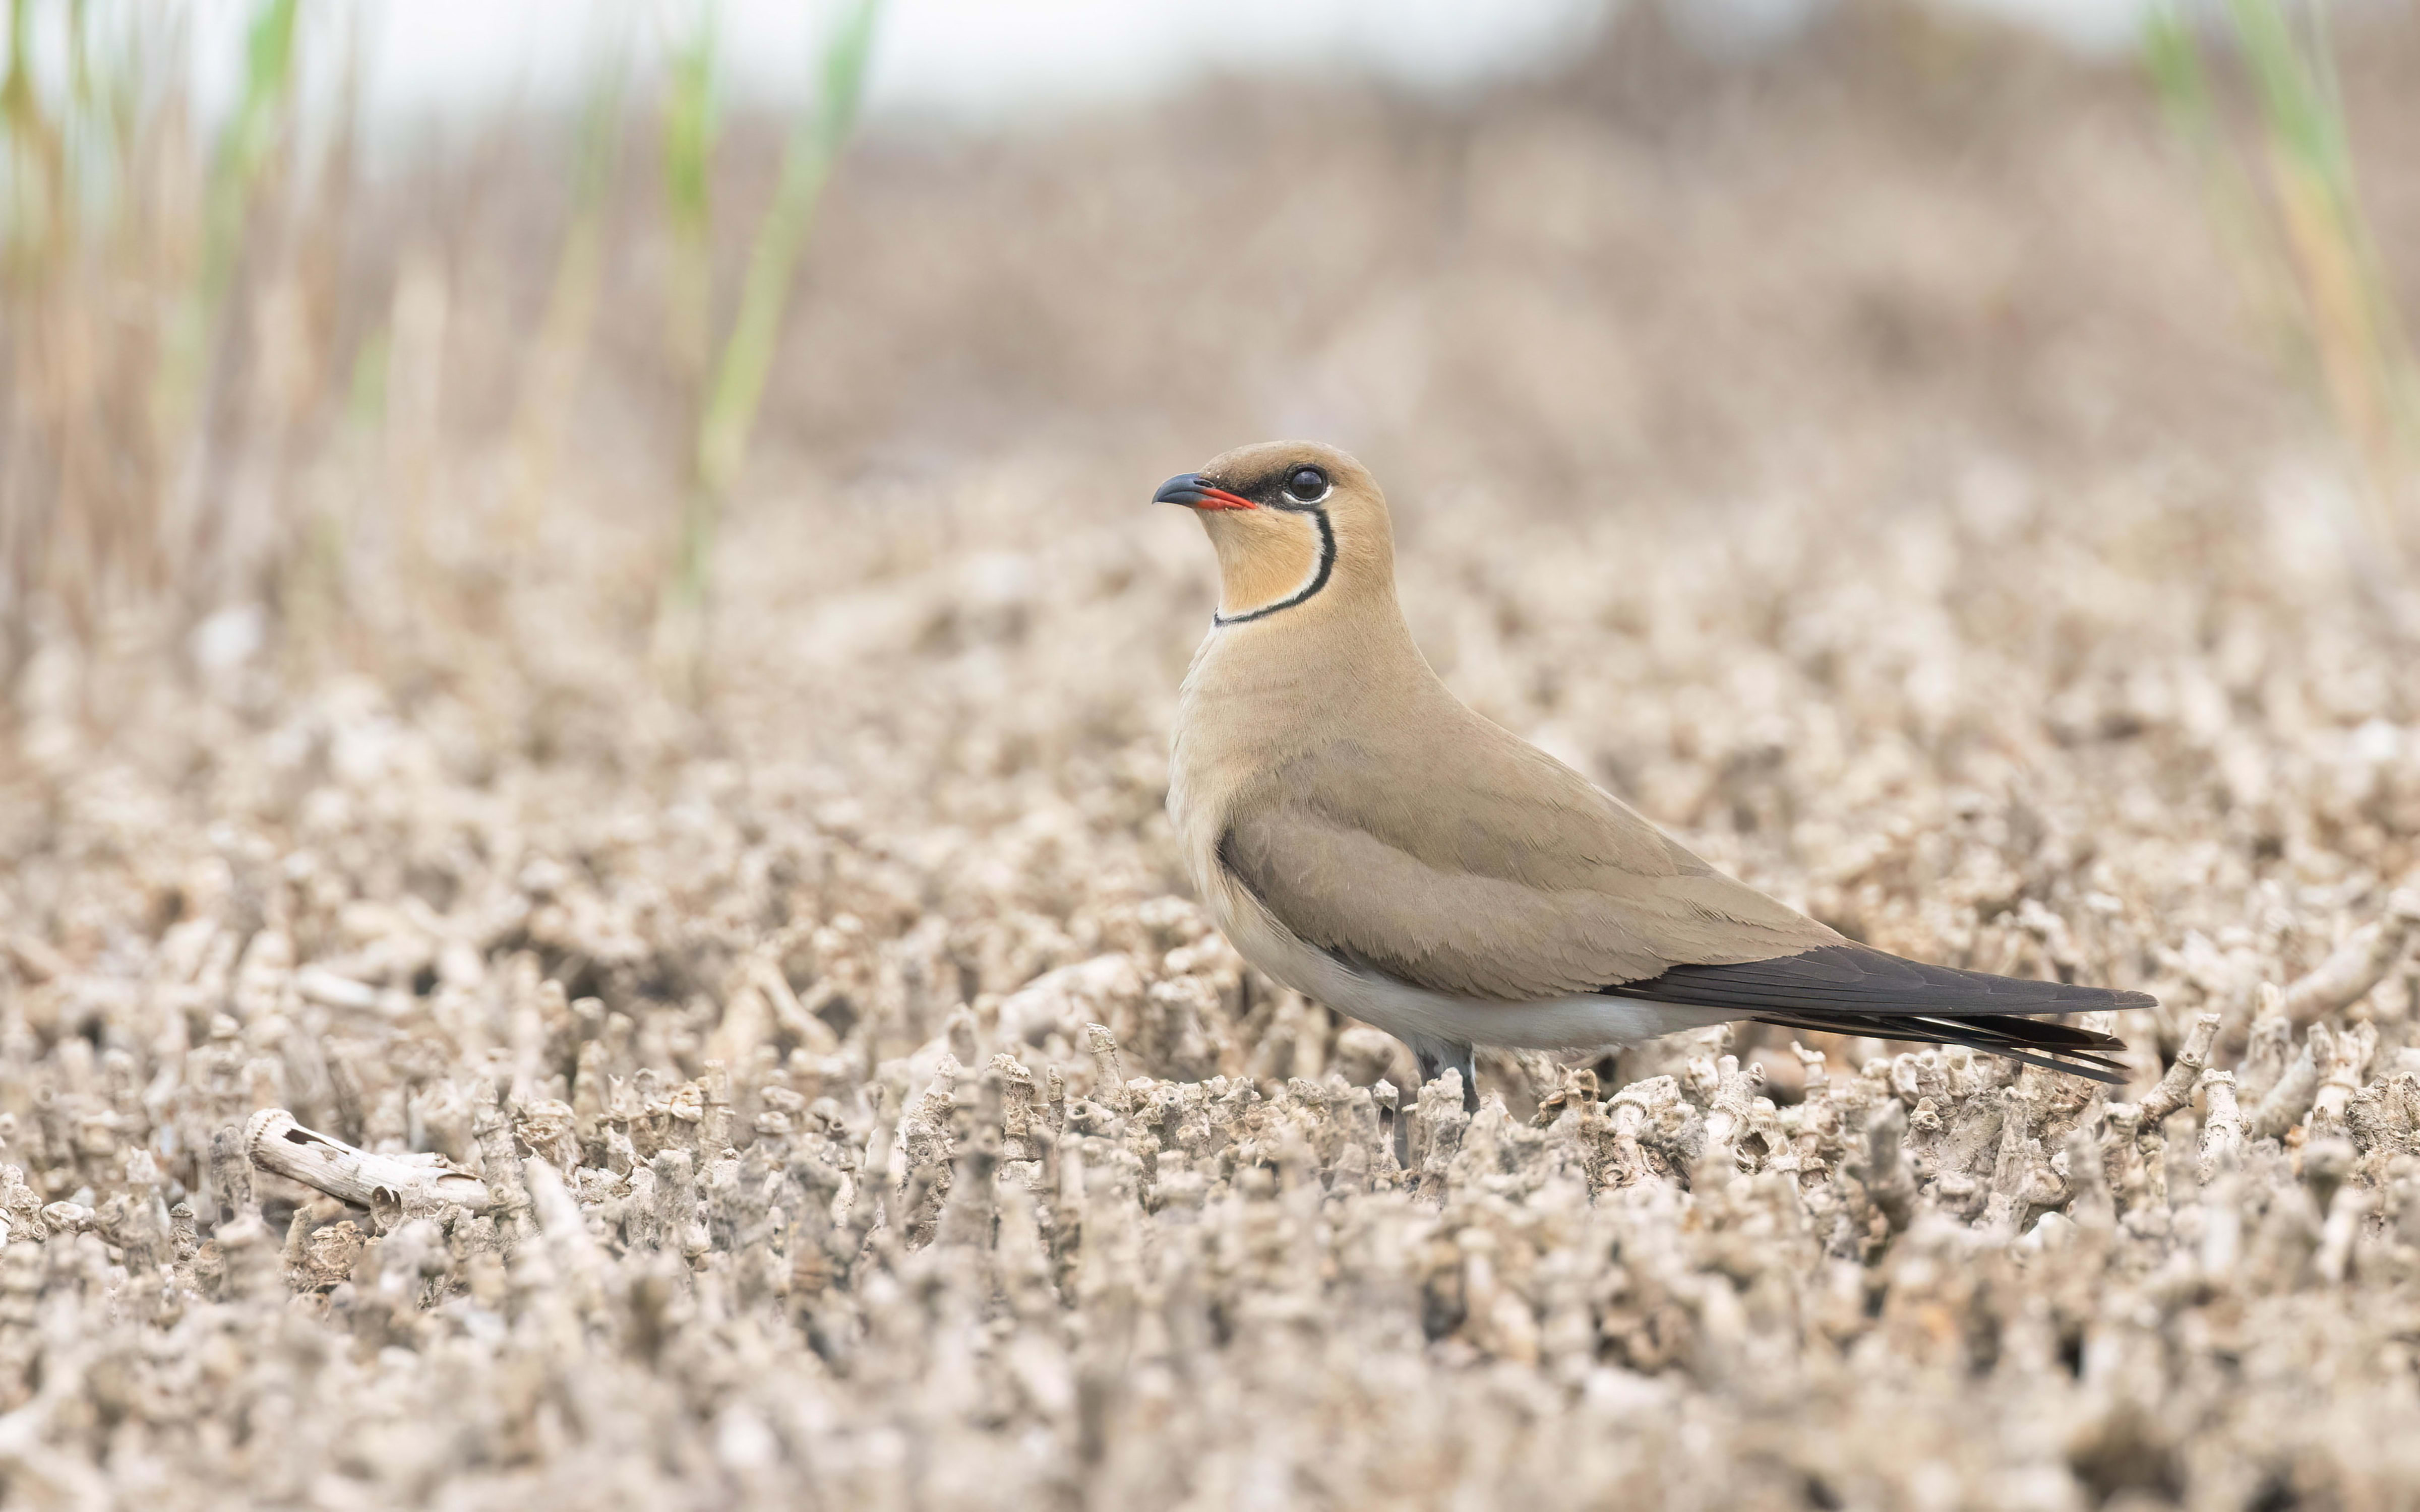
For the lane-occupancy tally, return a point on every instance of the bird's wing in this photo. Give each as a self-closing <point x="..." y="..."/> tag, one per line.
<point x="1467" y="862"/>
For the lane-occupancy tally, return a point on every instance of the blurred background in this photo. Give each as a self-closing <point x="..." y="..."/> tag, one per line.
<point x="1827" y="425"/>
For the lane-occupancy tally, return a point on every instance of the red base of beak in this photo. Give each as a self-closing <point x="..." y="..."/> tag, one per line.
<point x="1190" y="489"/>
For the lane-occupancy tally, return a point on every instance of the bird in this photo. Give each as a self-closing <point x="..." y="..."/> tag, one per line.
<point x="1362" y="836"/>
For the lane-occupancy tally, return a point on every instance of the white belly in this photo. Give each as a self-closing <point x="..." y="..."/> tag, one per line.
<point x="1586" y="1021"/>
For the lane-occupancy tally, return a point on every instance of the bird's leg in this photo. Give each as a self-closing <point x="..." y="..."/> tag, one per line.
<point x="1463" y="1058"/>
<point x="1430" y="1058"/>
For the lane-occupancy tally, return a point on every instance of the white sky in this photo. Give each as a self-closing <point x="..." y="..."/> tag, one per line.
<point x="973" y="60"/>
<point x="986" y="61"/>
<point x="440" y="64"/>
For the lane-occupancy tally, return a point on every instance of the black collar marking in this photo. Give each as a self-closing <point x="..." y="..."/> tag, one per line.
<point x="1318" y="579"/>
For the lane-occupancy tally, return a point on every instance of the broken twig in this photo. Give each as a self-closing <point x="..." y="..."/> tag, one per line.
<point x="388" y="1185"/>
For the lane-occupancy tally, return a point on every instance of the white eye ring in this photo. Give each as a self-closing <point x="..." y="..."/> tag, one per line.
<point x="1326" y="486"/>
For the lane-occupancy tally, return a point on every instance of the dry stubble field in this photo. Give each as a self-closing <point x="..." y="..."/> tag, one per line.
<point x="1851" y="456"/>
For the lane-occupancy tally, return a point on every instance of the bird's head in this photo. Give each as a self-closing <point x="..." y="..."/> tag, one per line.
<point x="1293" y="522"/>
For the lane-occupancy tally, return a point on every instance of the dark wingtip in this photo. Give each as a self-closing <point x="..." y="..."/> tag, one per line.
<point x="2044" y="1043"/>
<point x="1854" y="989"/>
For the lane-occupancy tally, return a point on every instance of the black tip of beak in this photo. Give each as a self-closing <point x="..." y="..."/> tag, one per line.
<point x="1186" y="489"/>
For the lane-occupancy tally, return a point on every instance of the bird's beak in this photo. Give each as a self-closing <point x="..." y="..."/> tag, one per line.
<point x="1195" y="492"/>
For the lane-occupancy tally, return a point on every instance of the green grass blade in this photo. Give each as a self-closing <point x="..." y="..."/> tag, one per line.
<point x="2333" y="294"/>
<point x="814" y="144"/>
<point x="806" y="165"/>
<point x="690" y="128"/>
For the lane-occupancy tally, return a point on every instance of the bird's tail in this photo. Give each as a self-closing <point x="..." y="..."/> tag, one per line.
<point x="1854" y="989"/>
<point x="2035" y="1042"/>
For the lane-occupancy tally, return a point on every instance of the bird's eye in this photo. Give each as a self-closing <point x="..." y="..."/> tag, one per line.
<point x="1308" y="484"/>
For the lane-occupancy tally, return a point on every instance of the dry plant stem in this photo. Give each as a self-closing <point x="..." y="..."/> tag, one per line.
<point x="2289" y="1097"/>
<point x="2092" y="1204"/>
<point x="2125" y="1165"/>
<point x="1633" y="1107"/>
<point x="2176" y="1088"/>
<point x="388" y="1185"/>
<point x="491" y="1125"/>
<point x="1442" y="1122"/>
<point x="2359" y="964"/>
<point x="2347" y="1211"/>
<point x="1728" y="1112"/>
<point x="969" y="1211"/>
<point x="2023" y="1182"/>
<point x="874" y="1176"/>
<point x="1104" y="1046"/>
<point x="2221" y="1133"/>
<point x="1890" y="1185"/>
<point x="2342" y="1058"/>
<point x="230" y="1175"/>
<point x="2269" y="1045"/>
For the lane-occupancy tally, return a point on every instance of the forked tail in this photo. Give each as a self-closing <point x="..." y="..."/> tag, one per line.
<point x="1850" y="989"/>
